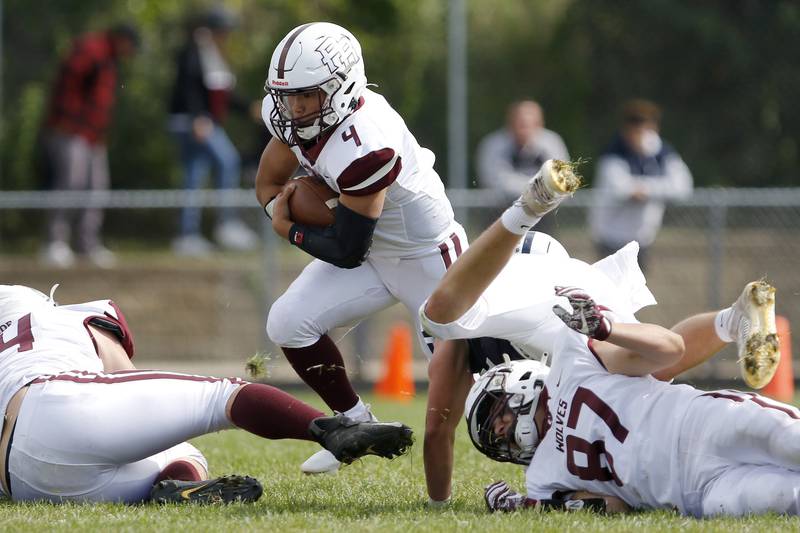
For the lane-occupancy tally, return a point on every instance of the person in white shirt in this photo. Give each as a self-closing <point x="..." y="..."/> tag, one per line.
<point x="508" y="157"/>
<point x="636" y="176"/>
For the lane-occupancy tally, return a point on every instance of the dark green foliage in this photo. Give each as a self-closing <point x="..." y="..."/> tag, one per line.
<point x="726" y="73"/>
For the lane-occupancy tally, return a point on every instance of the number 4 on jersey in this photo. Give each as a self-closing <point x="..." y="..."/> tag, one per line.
<point x="351" y="134"/>
<point x="24" y="338"/>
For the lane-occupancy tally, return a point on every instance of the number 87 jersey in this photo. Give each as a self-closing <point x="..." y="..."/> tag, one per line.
<point x="370" y="150"/>
<point x="607" y="433"/>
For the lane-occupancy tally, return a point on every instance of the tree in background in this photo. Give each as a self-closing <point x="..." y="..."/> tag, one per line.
<point x="724" y="70"/>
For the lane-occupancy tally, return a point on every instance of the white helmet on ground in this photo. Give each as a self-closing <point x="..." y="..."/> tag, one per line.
<point x="514" y="389"/>
<point x="19" y="299"/>
<point x="319" y="57"/>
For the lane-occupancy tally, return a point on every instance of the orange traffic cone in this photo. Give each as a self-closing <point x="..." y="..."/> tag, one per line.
<point x="397" y="382"/>
<point x="781" y="387"/>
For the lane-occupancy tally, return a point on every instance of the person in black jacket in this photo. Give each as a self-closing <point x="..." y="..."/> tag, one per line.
<point x="202" y="95"/>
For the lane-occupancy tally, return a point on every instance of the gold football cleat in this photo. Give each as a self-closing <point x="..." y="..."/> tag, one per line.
<point x="757" y="336"/>
<point x="554" y="182"/>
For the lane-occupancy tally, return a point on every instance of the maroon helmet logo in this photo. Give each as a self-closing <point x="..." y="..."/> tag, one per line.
<point x="337" y="53"/>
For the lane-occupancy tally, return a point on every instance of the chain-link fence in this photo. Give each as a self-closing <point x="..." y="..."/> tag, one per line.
<point x="208" y="314"/>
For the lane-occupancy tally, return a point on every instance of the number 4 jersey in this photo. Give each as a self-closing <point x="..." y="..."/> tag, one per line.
<point x="609" y="434"/>
<point x="38" y="338"/>
<point x="370" y="150"/>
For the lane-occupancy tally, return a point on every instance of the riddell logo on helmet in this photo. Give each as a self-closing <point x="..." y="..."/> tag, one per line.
<point x="277" y="82"/>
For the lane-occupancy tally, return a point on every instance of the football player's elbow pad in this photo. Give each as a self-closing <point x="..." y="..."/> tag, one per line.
<point x="345" y="244"/>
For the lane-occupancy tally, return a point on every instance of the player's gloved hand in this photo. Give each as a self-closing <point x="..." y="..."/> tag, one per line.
<point x="500" y="497"/>
<point x="586" y="316"/>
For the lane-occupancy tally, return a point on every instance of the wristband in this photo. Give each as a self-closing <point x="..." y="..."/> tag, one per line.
<point x="590" y="504"/>
<point x="269" y="206"/>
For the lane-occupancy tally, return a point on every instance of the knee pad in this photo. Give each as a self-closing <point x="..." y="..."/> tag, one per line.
<point x="289" y="327"/>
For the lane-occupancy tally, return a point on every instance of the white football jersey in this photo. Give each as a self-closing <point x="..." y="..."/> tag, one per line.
<point x="370" y="150"/>
<point x="609" y="434"/>
<point x="41" y="338"/>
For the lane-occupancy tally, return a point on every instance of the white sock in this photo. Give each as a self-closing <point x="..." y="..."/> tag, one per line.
<point x="359" y="412"/>
<point x="517" y="220"/>
<point x="722" y="324"/>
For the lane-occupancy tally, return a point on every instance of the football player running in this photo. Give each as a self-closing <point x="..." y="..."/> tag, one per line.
<point x="394" y="233"/>
<point x="501" y="301"/>
<point x="82" y="423"/>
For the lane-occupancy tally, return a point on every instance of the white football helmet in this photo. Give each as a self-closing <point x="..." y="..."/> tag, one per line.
<point x="317" y="57"/>
<point x="512" y="388"/>
<point x="19" y="299"/>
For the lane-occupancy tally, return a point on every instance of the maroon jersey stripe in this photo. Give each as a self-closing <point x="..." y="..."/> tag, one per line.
<point x="364" y="168"/>
<point x="382" y="183"/>
<point x="286" y="47"/>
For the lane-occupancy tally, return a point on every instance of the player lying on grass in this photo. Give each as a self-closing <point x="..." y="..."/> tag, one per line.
<point x="501" y="301"/>
<point x="81" y="423"/>
<point x="599" y="431"/>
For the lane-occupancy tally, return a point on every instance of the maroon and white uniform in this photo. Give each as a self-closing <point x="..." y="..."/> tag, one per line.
<point x="416" y="237"/>
<point x="657" y="445"/>
<point x="518" y="305"/>
<point x="82" y="434"/>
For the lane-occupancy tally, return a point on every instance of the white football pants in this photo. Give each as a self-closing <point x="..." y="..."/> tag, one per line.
<point x="740" y="455"/>
<point x="325" y="296"/>
<point x="106" y="437"/>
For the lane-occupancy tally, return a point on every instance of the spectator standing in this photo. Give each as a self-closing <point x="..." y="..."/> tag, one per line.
<point x="636" y="176"/>
<point x="509" y="157"/>
<point x="202" y="95"/>
<point x="74" y="137"/>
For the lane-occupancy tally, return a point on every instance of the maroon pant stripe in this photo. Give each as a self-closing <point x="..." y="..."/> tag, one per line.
<point x="445" y="255"/>
<point x="457" y="244"/>
<point x="86" y="377"/>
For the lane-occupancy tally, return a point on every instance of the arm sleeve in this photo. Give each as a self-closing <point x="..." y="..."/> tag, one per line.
<point x="344" y="244"/>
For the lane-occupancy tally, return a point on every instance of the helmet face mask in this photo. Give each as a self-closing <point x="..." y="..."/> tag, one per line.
<point x="500" y="409"/>
<point x="310" y="125"/>
<point x="320" y="57"/>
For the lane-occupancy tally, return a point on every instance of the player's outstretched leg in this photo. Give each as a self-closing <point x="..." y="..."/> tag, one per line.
<point x="480" y="264"/>
<point x="750" y="321"/>
<point x="554" y="182"/>
<point x="323" y="461"/>
<point x="348" y="440"/>
<point x="226" y="489"/>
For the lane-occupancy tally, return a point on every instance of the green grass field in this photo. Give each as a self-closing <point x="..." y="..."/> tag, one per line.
<point x="370" y="495"/>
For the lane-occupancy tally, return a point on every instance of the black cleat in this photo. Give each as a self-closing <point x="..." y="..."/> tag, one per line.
<point x="226" y="489"/>
<point x="348" y="440"/>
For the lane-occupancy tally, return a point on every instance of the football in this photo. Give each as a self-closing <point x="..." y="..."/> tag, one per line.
<point x="312" y="203"/>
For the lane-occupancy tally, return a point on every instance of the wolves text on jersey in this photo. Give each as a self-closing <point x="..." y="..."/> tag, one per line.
<point x="561" y="413"/>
